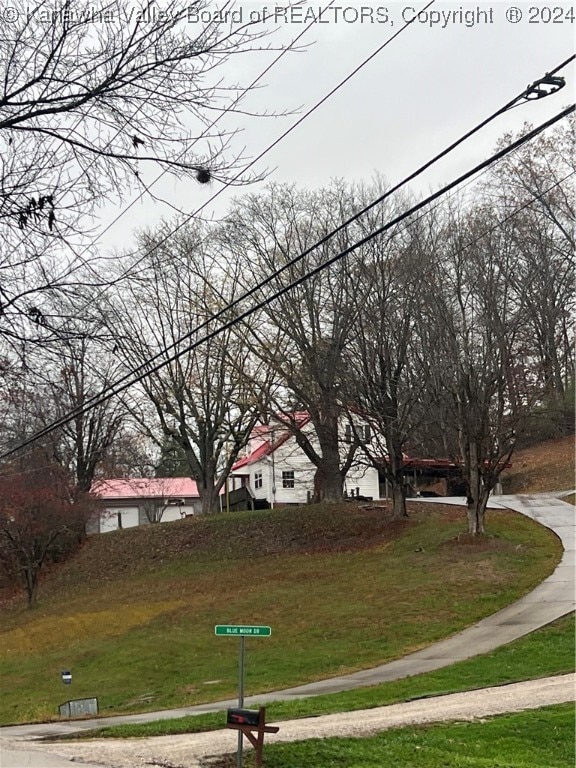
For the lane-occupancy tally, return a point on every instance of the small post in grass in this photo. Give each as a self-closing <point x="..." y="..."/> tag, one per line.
<point x="241" y="631"/>
<point x="66" y="677"/>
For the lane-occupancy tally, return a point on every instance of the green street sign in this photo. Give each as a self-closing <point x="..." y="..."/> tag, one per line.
<point x="239" y="630"/>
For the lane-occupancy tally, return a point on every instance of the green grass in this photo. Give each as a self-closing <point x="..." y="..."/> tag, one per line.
<point x="133" y="615"/>
<point x="548" y="651"/>
<point x="541" y="738"/>
<point x="547" y="466"/>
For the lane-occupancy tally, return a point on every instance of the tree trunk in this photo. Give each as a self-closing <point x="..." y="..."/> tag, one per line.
<point x="398" y="501"/>
<point x="476" y="512"/>
<point x="477" y="500"/>
<point x="328" y="485"/>
<point x="31" y="583"/>
<point x="208" y="498"/>
<point x="328" y="479"/>
<point x="396" y="477"/>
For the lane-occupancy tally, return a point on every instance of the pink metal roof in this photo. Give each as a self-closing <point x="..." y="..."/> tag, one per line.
<point x="144" y="487"/>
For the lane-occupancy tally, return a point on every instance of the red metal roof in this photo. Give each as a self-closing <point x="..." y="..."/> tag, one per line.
<point x="263" y="450"/>
<point x="144" y="487"/>
<point x="300" y="419"/>
<point x="409" y="462"/>
<point x="429" y="463"/>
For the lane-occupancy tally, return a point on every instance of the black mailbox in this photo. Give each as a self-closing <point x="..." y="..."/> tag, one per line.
<point x="243" y="717"/>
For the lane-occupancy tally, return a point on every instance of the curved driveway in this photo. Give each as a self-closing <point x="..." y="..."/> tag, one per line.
<point x="553" y="598"/>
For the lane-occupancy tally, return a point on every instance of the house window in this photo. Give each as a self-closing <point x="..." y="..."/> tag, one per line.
<point x="348" y="433"/>
<point x="367" y="435"/>
<point x="258" y="480"/>
<point x="288" y="478"/>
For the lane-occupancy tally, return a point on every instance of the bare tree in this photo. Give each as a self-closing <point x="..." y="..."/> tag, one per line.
<point x="93" y="93"/>
<point x="207" y="401"/>
<point x="49" y="384"/>
<point x="388" y="372"/>
<point x="132" y="454"/>
<point x="473" y="332"/>
<point x="81" y="371"/>
<point x="541" y="178"/>
<point x="154" y="508"/>
<point x="302" y="336"/>
<point x="93" y="98"/>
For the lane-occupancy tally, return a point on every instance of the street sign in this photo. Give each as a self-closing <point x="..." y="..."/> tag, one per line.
<point x="239" y="630"/>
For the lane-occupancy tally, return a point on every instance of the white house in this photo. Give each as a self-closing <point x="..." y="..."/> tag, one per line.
<point x="274" y="468"/>
<point x="128" y="502"/>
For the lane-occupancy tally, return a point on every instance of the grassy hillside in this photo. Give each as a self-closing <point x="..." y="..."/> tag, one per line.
<point x="344" y="588"/>
<point x="545" y="652"/>
<point x="548" y="466"/>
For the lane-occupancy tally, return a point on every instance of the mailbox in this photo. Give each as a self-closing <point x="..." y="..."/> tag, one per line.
<point x="252" y="724"/>
<point x="243" y="717"/>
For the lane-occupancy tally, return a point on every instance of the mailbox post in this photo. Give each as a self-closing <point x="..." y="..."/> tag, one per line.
<point x="249" y="722"/>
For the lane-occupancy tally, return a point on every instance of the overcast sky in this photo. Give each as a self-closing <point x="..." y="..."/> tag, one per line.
<point x="432" y="83"/>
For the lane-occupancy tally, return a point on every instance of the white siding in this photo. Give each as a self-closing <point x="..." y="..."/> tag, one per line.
<point x="265" y="492"/>
<point x="109" y="518"/>
<point x="290" y="457"/>
<point x="130" y="516"/>
<point x="173" y="512"/>
<point x="365" y="479"/>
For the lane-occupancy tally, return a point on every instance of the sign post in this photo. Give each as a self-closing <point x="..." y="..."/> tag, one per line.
<point x="241" y="631"/>
<point x="240" y="698"/>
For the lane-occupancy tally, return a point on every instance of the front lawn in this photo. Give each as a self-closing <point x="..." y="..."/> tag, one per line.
<point x="344" y="588"/>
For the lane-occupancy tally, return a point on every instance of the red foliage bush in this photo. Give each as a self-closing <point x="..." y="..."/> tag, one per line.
<point x="42" y="519"/>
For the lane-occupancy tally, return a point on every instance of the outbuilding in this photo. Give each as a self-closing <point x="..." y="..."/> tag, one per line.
<point x="128" y="502"/>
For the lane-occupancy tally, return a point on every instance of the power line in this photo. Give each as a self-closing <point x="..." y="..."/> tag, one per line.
<point x="189" y="217"/>
<point x="399" y="231"/>
<point x="79" y="255"/>
<point x="467" y="245"/>
<point x="262" y="154"/>
<point x="516" y="100"/>
<point x="144" y="370"/>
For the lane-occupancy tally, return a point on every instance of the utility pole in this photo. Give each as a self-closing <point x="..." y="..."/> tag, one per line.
<point x="273" y="469"/>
